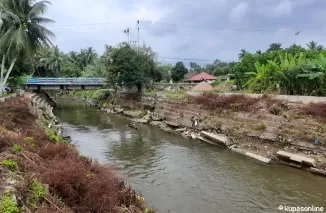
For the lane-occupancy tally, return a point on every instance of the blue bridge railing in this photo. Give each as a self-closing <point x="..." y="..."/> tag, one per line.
<point x="65" y="81"/>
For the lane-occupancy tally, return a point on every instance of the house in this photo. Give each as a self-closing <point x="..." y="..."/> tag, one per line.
<point x="199" y="78"/>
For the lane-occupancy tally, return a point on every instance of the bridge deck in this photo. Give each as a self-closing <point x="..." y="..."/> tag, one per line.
<point x="65" y="81"/>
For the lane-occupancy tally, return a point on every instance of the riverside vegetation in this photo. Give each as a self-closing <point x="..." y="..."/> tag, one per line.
<point x="42" y="173"/>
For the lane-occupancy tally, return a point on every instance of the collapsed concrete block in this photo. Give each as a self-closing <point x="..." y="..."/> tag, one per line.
<point x="218" y="138"/>
<point x="172" y="124"/>
<point x="295" y="158"/>
<point x="258" y="157"/>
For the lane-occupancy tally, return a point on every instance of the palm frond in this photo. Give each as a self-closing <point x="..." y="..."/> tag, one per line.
<point x="38" y="8"/>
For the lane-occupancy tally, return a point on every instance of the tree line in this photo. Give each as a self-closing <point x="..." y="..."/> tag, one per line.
<point x="26" y="50"/>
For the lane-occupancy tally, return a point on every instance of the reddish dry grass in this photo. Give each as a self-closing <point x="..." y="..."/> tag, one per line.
<point x="315" y="109"/>
<point x="211" y="101"/>
<point x="82" y="185"/>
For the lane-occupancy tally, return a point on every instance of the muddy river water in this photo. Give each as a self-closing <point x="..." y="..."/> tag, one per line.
<point x="182" y="176"/>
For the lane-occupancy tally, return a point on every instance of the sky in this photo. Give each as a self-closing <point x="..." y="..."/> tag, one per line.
<point x="203" y="30"/>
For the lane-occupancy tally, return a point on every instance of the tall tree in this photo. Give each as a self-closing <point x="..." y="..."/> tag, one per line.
<point x="313" y="45"/>
<point x="274" y="47"/>
<point x="178" y="71"/>
<point x="52" y="61"/>
<point x="194" y="67"/>
<point x="242" y="53"/>
<point x="22" y="32"/>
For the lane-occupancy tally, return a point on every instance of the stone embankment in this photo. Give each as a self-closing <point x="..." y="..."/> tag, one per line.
<point x="260" y="132"/>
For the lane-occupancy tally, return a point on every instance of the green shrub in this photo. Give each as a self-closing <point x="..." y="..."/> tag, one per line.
<point x="9" y="164"/>
<point x="29" y="140"/>
<point x="52" y="136"/>
<point x="36" y="192"/>
<point x="260" y="127"/>
<point x="16" y="149"/>
<point x="8" y="205"/>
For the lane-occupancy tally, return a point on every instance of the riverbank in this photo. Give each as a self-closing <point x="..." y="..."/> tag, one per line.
<point x="266" y="129"/>
<point x="41" y="172"/>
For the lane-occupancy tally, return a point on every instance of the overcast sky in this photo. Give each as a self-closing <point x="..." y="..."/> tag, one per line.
<point x="239" y="24"/>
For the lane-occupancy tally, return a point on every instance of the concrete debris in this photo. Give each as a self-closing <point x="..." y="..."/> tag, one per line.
<point x="172" y="124"/>
<point x="207" y="140"/>
<point x="132" y="114"/>
<point x="142" y="121"/>
<point x="180" y="130"/>
<point x="258" y="157"/>
<point x="318" y="171"/>
<point x="296" y="159"/>
<point x="193" y="135"/>
<point x="218" y="138"/>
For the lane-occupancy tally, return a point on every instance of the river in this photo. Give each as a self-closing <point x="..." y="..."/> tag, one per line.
<point x="186" y="176"/>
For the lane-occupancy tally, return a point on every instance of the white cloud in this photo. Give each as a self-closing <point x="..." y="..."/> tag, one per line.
<point x="283" y="8"/>
<point x="239" y="12"/>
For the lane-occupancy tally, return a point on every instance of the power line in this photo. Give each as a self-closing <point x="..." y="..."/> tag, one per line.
<point x="188" y="59"/>
<point x="210" y="27"/>
<point x="165" y="23"/>
<point x="91" y="24"/>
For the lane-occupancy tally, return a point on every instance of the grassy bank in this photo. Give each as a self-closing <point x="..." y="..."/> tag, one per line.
<point x="46" y="175"/>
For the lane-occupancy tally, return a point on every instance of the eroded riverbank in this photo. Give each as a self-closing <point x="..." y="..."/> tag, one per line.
<point x="182" y="175"/>
<point x="40" y="172"/>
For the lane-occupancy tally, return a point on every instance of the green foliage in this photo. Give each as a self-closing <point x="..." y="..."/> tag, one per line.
<point x="9" y="164"/>
<point x="52" y="136"/>
<point x="8" y="205"/>
<point x="129" y="67"/>
<point x="92" y="95"/>
<point x="16" y="149"/>
<point x="178" y="71"/>
<point x="293" y="70"/>
<point x="70" y="70"/>
<point x="29" y="140"/>
<point x="165" y="71"/>
<point x="36" y="192"/>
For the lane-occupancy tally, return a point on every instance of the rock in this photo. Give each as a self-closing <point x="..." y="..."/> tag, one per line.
<point x="156" y="123"/>
<point x="2" y="100"/>
<point x="133" y="114"/>
<point x="233" y="146"/>
<point x="180" y="130"/>
<point x="193" y="135"/>
<point x="118" y="110"/>
<point x="133" y="125"/>
<point x="318" y="171"/>
<point x="142" y="121"/>
<point x="218" y="138"/>
<point x="154" y="118"/>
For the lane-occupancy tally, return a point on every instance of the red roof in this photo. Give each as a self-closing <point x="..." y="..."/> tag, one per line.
<point x="201" y="76"/>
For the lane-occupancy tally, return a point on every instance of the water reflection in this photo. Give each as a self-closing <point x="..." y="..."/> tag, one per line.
<point x="180" y="175"/>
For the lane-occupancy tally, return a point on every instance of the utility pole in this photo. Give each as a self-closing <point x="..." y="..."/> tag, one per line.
<point x="127" y="32"/>
<point x="138" y="34"/>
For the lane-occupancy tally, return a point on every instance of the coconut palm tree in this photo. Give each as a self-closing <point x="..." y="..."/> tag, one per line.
<point x="22" y="32"/>
<point x="242" y="53"/>
<point x="313" y="45"/>
<point x="52" y="60"/>
<point x="274" y="47"/>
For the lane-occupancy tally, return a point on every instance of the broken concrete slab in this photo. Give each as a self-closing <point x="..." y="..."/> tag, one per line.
<point x="318" y="171"/>
<point x="207" y="141"/>
<point x="156" y="123"/>
<point x="172" y="124"/>
<point x="142" y="121"/>
<point x="133" y="114"/>
<point x="154" y="118"/>
<point x="296" y="159"/>
<point x="218" y="138"/>
<point x="180" y="130"/>
<point x="258" y="157"/>
<point x="2" y="100"/>
<point x="118" y="110"/>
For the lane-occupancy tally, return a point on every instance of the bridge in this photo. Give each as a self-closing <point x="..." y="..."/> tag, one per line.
<point x="64" y="83"/>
